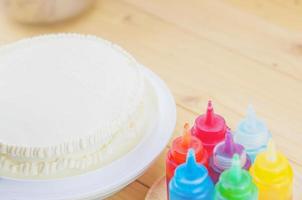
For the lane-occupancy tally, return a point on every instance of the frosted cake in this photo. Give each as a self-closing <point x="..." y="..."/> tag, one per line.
<point x="69" y="104"/>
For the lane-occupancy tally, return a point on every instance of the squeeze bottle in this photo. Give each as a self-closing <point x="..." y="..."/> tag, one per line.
<point x="191" y="181"/>
<point x="273" y="175"/>
<point x="252" y="133"/>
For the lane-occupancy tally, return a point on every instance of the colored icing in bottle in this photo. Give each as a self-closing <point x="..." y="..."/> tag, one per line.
<point x="273" y="175"/>
<point x="210" y="128"/>
<point x="191" y="181"/>
<point x="178" y="152"/>
<point x="223" y="154"/>
<point x="252" y="133"/>
<point x="236" y="183"/>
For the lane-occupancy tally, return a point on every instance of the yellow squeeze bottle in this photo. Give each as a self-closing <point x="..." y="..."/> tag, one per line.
<point x="273" y="175"/>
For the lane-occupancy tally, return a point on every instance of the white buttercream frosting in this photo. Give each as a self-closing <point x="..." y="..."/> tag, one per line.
<point x="64" y="99"/>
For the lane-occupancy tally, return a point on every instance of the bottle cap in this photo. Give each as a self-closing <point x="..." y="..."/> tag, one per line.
<point x="191" y="179"/>
<point x="210" y="127"/>
<point x="252" y="132"/>
<point x="224" y="152"/>
<point x="236" y="183"/>
<point x="271" y="166"/>
<point x="182" y="144"/>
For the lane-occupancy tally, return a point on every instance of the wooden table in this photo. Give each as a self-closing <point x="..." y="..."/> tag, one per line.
<point x="231" y="51"/>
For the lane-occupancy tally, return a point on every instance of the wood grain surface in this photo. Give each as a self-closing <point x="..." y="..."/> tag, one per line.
<point x="231" y="51"/>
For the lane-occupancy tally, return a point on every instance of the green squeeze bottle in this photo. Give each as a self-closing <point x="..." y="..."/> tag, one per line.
<point x="235" y="184"/>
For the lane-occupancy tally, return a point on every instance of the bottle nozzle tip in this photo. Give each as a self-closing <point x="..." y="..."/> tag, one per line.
<point x="229" y="142"/>
<point x="271" y="151"/>
<point x="191" y="154"/>
<point x="191" y="160"/>
<point x="236" y="161"/>
<point x="236" y="167"/>
<point x="209" y="113"/>
<point x="186" y="126"/>
<point x="251" y="113"/>
<point x="251" y="116"/>
<point x="186" y="138"/>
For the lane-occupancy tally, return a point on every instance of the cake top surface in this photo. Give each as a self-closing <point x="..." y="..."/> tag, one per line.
<point x="57" y="88"/>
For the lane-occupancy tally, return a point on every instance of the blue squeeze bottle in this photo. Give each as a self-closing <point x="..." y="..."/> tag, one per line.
<point x="252" y="133"/>
<point x="191" y="181"/>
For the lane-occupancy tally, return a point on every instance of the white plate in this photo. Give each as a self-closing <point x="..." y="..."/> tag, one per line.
<point x="111" y="178"/>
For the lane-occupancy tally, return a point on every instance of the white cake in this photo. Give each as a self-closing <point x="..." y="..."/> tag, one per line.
<point x="68" y="103"/>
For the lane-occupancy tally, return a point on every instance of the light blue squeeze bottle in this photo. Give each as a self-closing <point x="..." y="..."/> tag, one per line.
<point x="252" y="133"/>
<point x="191" y="181"/>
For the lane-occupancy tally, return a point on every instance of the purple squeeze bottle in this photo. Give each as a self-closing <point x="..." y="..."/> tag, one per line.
<point x="223" y="154"/>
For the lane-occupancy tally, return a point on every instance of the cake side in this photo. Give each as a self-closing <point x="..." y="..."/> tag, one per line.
<point x="122" y="142"/>
<point x="29" y="149"/>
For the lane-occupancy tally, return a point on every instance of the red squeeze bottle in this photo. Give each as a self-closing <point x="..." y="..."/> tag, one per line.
<point x="210" y="128"/>
<point x="178" y="152"/>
